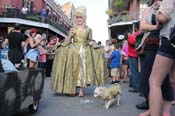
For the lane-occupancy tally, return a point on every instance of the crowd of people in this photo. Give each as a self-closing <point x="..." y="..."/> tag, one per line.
<point x="156" y="63"/>
<point x="30" y="49"/>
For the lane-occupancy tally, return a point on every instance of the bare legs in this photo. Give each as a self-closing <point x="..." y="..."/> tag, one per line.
<point x="125" y="72"/>
<point x="166" y="109"/>
<point x="162" y="66"/>
<point x="32" y="64"/>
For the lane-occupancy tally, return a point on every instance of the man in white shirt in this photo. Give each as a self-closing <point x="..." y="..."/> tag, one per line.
<point x="24" y="11"/>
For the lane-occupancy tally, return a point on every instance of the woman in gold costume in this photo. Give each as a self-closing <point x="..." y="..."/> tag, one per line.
<point x="100" y="63"/>
<point x="73" y="64"/>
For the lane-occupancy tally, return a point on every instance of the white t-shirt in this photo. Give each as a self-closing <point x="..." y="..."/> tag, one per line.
<point x="24" y="10"/>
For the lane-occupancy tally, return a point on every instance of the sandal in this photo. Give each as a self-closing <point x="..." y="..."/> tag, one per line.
<point x="81" y="94"/>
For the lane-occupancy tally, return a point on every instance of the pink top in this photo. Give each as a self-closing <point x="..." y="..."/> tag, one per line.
<point x="42" y="57"/>
<point x="125" y="50"/>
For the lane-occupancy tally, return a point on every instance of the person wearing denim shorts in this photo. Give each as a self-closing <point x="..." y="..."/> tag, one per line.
<point x="165" y="59"/>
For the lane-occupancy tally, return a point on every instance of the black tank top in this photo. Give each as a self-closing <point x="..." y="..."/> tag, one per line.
<point x="153" y="35"/>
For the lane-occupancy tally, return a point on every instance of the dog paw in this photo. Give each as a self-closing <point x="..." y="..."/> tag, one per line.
<point x="118" y="103"/>
<point x="106" y="107"/>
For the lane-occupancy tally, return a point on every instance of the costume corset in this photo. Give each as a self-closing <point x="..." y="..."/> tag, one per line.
<point x="81" y="37"/>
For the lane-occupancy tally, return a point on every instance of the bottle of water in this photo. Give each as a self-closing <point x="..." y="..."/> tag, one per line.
<point x="86" y="101"/>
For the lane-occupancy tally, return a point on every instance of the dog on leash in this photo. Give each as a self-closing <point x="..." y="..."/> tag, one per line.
<point x="109" y="94"/>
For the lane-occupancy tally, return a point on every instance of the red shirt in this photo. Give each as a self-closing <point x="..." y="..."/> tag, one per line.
<point x="131" y="44"/>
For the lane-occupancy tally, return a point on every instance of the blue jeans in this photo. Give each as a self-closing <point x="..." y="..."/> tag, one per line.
<point x="133" y="67"/>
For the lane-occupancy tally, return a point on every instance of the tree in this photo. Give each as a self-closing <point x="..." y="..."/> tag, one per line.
<point x="110" y="12"/>
<point x="118" y="3"/>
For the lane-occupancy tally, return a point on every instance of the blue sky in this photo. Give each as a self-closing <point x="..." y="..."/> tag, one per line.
<point x="96" y="16"/>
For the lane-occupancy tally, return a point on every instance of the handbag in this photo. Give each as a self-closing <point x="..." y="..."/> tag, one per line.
<point x="172" y="36"/>
<point x="141" y="45"/>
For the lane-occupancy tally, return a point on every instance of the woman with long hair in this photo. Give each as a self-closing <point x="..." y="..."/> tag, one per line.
<point x="32" y="54"/>
<point x="73" y="64"/>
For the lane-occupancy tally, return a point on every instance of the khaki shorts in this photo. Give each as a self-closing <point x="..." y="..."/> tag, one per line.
<point x="115" y="72"/>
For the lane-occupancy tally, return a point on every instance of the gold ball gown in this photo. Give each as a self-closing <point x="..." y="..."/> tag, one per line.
<point x="74" y="64"/>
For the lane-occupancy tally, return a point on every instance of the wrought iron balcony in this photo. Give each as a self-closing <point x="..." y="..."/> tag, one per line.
<point x="31" y="16"/>
<point x="119" y="18"/>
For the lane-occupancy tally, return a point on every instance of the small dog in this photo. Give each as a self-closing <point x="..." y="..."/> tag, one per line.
<point x="109" y="94"/>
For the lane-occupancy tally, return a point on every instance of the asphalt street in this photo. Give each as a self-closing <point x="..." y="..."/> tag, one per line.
<point x="62" y="105"/>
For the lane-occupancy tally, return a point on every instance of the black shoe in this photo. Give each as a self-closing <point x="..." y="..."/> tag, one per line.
<point x="130" y="85"/>
<point x="113" y="82"/>
<point x="141" y="95"/>
<point x="142" y="106"/>
<point x="117" y="81"/>
<point x="124" y="81"/>
<point x="133" y="90"/>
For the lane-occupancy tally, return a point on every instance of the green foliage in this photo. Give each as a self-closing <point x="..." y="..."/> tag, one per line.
<point x="110" y="12"/>
<point x="118" y="3"/>
<point x="33" y="18"/>
<point x="125" y="18"/>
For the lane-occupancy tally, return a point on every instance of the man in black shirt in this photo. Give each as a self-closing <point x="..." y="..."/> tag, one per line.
<point x="14" y="40"/>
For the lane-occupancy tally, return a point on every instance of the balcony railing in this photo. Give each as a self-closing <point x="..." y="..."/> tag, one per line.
<point x="119" y="18"/>
<point x="32" y="16"/>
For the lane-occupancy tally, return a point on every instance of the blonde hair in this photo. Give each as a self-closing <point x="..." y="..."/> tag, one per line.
<point x="80" y="11"/>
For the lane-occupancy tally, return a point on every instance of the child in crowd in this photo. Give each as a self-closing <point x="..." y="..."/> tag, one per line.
<point x="43" y="51"/>
<point x="125" y="61"/>
<point x="115" y="64"/>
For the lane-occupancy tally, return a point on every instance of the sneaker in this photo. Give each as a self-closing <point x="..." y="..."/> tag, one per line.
<point x="112" y="82"/>
<point x="117" y="81"/>
<point x="133" y="90"/>
<point x="142" y="106"/>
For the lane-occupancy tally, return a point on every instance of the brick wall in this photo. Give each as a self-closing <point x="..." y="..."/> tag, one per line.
<point x="137" y="7"/>
<point x="12" y="3"/>
<point x="39" y="4"/>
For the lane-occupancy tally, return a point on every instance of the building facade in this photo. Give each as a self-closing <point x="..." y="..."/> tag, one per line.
<point x="45" y="15"/>
<point x="69" y="9"/>
<point x="122" y="18"/>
